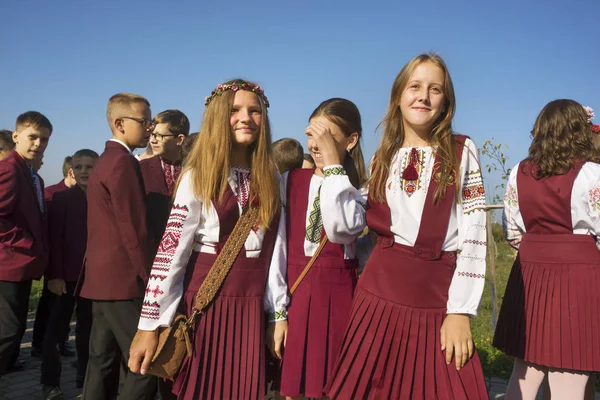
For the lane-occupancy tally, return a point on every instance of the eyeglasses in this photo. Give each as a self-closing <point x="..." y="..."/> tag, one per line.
<point x="160" y="138"/>
<point x="146" y="123"/>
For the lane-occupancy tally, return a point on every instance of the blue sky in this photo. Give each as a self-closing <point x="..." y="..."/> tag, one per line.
<point x="507" y="59"/>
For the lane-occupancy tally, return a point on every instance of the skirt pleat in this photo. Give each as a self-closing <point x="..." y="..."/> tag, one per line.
<point x="551" y="307"/>
<point x="228" y="357"/>
<point x="317" y="317"/>
<point x="393" y="351"/>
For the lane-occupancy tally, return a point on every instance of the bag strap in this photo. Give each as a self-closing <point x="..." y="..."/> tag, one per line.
<point x="309" y="265"/>
<point x="222" y="265"/>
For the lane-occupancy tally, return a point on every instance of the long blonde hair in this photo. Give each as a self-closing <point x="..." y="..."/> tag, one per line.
<point x="210" y="158"/>
<point x="393" y="132"/>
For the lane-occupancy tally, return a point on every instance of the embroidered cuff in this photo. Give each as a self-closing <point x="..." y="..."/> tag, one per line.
<point x="333" y="170"/>
<point x="280" y="315"/>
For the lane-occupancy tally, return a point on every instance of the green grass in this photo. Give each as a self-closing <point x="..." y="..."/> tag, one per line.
<point x="36" y="293"/>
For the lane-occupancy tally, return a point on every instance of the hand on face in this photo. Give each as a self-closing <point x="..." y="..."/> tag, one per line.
<point x="327" y="143"/>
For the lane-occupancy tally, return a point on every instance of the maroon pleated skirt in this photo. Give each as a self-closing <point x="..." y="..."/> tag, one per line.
<point x="550" y="314"/>
<point x="317" y="316"/>
<point x="228" y="360"/>
<point x="391" y="349"/>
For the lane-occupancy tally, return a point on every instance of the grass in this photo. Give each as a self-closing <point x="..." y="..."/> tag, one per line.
<point x="36" y="293"/>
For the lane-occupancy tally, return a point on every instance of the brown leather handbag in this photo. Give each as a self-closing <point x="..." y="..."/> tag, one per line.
<point x="175" y="341"/>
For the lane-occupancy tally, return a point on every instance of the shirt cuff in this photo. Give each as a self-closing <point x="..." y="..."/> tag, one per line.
<point x="470" y="313"/>
<point x="333" y="170"/>
<point x="278" y="315"/>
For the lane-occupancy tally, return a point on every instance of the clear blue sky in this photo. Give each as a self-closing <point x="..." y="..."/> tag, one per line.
<point x="507" y="59"/>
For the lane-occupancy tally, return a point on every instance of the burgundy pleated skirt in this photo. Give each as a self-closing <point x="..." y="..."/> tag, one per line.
<point x="228" y="360"/>
<point x="317" y="316"/>
<point x="550" y="314"/>
<point x="391" y="349"/>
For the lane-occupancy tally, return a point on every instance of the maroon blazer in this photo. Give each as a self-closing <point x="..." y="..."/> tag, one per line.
<point x="67" y="222"/>
<point x="50" y="191"/>
<point x="158" y="201"/>
<point x="23" y="235"/>
<point x="117" y="263"/>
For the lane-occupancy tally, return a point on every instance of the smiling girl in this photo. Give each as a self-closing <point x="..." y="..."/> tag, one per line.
<point x="409" y="333"/>
<point x="229" y="167"/>
<point x="327" y="201"/>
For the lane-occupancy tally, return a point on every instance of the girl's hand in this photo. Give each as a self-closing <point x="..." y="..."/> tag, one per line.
<point x="142" y="350"/>
<point x="456" y="339"/>
<point x="325" y="142"/>
<point x="276" y="337"/>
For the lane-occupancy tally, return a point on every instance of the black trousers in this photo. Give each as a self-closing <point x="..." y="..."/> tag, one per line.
<point x="114" y="325"/>
<point x="57" y="328"/>
<point x="14" y="303"/>
<point x="42" y="313"/>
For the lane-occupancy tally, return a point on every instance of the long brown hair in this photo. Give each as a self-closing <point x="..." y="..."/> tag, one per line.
<point x="210" y="158"/>
<point x="393" y="132"/>
<point x="345" y="115"/>
<point x="561" y="135"/>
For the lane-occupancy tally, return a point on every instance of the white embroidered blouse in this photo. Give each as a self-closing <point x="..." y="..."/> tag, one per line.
<point x="585" y="205"/>
<point x="466" y="233"/>
<point x="343" y="213"/>
<point x="190" y="226"/>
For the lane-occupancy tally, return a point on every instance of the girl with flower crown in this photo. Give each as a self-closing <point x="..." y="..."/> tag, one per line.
<point x="327" y="201"/>
<point x="229" y="167"/>
<point x="409" y="333"/>
<point x="550" y="315"/>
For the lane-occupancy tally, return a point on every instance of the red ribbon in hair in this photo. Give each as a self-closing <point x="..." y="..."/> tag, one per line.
<point x="410" y="173"/>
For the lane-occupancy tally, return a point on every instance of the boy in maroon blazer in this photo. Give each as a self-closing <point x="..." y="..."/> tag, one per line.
<point x="160" y="173"/>
<point x="67" y="228"/>
<point x="117" y="261"/>
<point x="44" y="305"/>
<point x="23" y="236"/>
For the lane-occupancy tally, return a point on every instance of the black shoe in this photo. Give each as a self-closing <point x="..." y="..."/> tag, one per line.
<point x="36" y="352"/>
<point x="19" y="365"/>
<point x="52" y="393"/>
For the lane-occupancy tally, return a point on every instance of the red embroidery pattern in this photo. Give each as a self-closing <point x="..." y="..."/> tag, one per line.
<point x="157" y="276"/>
<point x="156" y="291"/>
<point x="242" y="178"/>
<point x="172" y="173"/>
<point x="470" y="192"/>
<point x="150" y="310"/>
<point x="470" y="275"/>
<point x="170" y="239"/>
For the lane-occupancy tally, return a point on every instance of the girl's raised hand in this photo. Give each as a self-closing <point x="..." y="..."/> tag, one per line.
<point x="325" y="142"/>
<point x="456" y="339"/>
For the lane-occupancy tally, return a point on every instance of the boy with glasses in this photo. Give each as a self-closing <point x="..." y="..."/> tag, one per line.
<point x="117" y="265"/>
<point x="161" y="172"/>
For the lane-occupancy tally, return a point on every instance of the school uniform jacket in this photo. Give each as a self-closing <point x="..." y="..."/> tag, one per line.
<point x="23" y="235"/>
<point x="158" y="200"/>
<point x="117" y="264"/>
<point x="68" y="234"/>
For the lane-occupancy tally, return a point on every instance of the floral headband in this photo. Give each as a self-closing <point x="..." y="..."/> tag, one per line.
<point x="238" y="85"/>
<point x="591" y="115"/>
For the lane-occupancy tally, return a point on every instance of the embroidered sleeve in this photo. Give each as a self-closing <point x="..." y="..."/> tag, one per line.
<point x="591" y="197"/>
<point x="512" y="221"/>
<point x="276" y="294"/>
<point x="343" y="207"/>
<point x="468" y="281"/>
<point x="165" y="286"/>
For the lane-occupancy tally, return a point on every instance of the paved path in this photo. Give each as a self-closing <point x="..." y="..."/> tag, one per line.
<point x="25" y="385"/>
